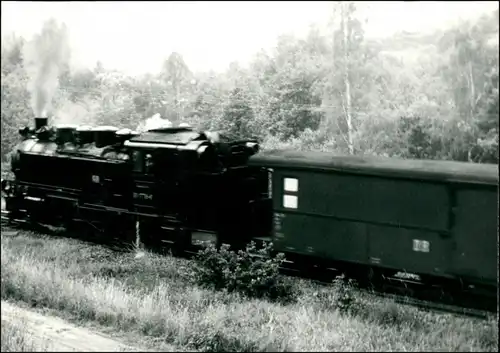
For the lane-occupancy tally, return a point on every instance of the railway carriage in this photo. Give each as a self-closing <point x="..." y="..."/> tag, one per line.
<point x="436" y="219"/>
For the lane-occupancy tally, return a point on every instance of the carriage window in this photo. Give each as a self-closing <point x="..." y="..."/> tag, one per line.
<point x="291" y="184"/>
<point x="290" y="201"/>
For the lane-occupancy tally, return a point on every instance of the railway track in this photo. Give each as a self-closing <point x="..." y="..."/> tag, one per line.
<point x="405" y="296"/>
<point x="406" y="292"/>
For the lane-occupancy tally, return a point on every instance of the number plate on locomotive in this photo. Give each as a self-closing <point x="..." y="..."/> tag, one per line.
<point x="143" y="196"/>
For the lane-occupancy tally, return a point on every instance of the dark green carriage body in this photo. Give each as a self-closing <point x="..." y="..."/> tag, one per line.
<point x="427" y="217"/>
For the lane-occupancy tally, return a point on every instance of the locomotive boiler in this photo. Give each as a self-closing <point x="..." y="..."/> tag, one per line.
<point x="162" y="185"/>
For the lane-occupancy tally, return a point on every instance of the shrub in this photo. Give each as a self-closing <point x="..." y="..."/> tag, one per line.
<point x="346" y="299"/>
<point x="253" y="272"/>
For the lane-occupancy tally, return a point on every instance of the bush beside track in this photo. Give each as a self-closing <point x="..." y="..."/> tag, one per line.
<point x="160" y="300"/>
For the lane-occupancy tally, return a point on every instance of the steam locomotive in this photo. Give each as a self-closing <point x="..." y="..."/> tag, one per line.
<point x="162" y="185"/>
<point x="434" y="219"/>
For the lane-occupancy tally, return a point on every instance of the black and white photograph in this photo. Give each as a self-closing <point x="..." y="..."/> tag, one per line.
<point x="249" y="176"/>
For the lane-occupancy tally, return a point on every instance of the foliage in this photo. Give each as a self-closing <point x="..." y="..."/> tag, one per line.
<point x="253" y="272"/>
<point x="236" y="116"/>
<point x="346" y="302"/>
<point x="431" y="96"/>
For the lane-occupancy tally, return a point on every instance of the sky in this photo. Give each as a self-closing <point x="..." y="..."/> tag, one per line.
<point x="136" y="37"/>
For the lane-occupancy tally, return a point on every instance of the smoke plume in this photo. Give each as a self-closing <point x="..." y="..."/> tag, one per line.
<point x="155" y="122"/>
<point x="72" y="113"/>
<point x="45" y="56"/>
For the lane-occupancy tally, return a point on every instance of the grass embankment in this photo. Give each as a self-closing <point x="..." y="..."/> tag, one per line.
<point x="151" y="298"/>
<point x="17" y="338"/>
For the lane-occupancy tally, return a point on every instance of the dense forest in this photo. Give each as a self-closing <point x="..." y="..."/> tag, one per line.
<point x="432" y="96"/>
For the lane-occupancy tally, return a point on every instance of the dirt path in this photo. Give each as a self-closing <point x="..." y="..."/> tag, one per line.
<point x="59" y="334"/>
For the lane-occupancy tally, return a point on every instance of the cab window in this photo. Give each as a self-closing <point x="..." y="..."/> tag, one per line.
<point x="137" y="159"/>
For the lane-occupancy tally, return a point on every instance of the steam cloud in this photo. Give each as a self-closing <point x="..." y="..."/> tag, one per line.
<point x="155" y="122"/>
<point x="72" y="113"/>
<point x="44" y="59"/>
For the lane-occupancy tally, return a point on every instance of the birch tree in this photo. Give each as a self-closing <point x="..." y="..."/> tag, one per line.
<point x="346" y="71"/>
<point x="177" y="78"/>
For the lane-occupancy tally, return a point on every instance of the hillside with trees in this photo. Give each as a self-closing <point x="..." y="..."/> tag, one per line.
<point x="432" y="96"/>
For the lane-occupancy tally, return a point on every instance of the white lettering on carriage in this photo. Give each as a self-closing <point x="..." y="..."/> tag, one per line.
<point x="421" y="245"/>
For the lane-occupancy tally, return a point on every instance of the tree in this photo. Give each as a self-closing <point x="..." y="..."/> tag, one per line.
<point x="347" y="78"/>
<point x="408" y="95"/>
<point x="346" y="10"/>
<point x="177" y="79"/>
<point x="12" y="53"/>
<point x="288" y="94"/>
<point x="237" y="115"/>
<point x="16" y="111"/>
<point x="472" y="72"/>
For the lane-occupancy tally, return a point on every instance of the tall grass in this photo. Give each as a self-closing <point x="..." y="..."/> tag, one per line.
<point x="17" y="338"/>
<point x="152" y="296"/>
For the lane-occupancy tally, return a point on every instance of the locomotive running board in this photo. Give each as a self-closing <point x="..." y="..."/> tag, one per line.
<point x="100" y="208"/>
<point x="59" y="197"/>
<point x="103" y="208"/>
<point x="49" y="188"/>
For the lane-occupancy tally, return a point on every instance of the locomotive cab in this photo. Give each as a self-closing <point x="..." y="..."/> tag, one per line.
<point x="199" y="179"/>
<point x="164" y="163"/>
